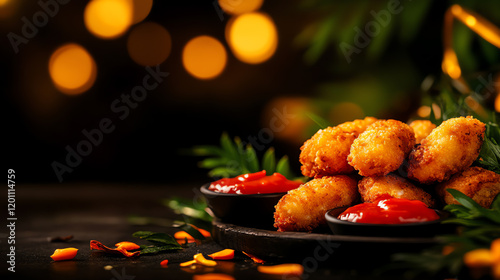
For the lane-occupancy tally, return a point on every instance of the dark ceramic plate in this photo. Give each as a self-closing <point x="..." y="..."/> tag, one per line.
<point x="251" y="210"/>
<point x="423" y="229"/>
<point x="312" y="249"/>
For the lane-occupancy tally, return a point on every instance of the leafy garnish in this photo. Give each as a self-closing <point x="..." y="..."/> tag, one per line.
<point x="233" y="158"/>
<point x="191" y="230"/>
<point x="429" y="262"/>
<point x="489" y="157"/>
<point x="478" y="227"/>
<point x="161" y="242"/>
<point x="188" y="207"/>
<point x="470" y="209"/>
<point x="193" y="214"/>
<point x="320" y="121"/>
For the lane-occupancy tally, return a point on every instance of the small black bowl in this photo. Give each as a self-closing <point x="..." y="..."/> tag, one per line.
<point x="422" y="229"/>
<point x="251" y="210"/>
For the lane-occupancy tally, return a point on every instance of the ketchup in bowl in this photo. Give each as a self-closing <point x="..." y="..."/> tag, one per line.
<point x="254" y="183"/>
<point x="389" y="210"/>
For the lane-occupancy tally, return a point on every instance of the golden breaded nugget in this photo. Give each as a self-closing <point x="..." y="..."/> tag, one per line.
<point x="450" y="148"/>
<point x="304" y="208"/>
<point x="422" y="129"/>
<point x="371" y="188"/>
<point x="358" y="126"/>
<point x="475" y="182"/>
<point x="325" y="153"/>
<point x="381" y="148"/>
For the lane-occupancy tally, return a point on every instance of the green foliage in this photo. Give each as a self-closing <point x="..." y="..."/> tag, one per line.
<point x="470" y="211"/>
<point x="191" y="230"/>
<point x="188" y="208"/>
<point x="193" y="215"/>
<point x="336" y="22"/>
<point x="233" y="158"/>
<point x="489" y="157"/>
<point x="320" y="121"/>
<point x="477" y="228"/>
<point x="161" y="242"/>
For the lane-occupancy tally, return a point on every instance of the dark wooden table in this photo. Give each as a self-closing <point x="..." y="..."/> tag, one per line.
<point x="101" y="211"/>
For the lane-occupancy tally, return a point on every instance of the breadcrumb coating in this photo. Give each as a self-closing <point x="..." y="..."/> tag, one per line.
<point x="422" y="129"/>
<point x="304" y="208"/>
<point x="475" y="182"/>
<point x="450" y="148"/>
<point x="381" y="148"/>
<point x="325" y="153"/>
<point x="371" y="188"/>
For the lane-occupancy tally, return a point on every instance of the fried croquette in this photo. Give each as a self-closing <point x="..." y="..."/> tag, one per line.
<point x="358" y="126"/>
<point x="325" y="153"/>
<point x="371" y="188"/>
<point x="304" y="208"/>
<point x="422" y="129"/>
<point x="450" y="148"/>
<point x="381" y="148"/>
<point x="475" y="182"/>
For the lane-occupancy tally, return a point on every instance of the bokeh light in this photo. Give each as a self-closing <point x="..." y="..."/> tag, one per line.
<point x="108" y="19"/>
<point x="424" y="111"/>
<point x="72" y="69"/>
<point x="8" y="8"/>
<point x="437" y="111"/>
<point x="450" y="64"/>
<point x="345" y="112"/>
<point x="287" y="119"/>
<point x="141" y="9"/>
<point x="238" y="7"/>
<point x="253" y="37"/>
<point x="478" y="24"/>
<point x="497" y="88"/>
<point x="475" y="106"/>
<point x="149" y="44"/>
<point x="497" y="103"/>
<point x="204" y="57"/>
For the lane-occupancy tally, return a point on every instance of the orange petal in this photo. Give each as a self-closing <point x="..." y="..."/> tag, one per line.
<point x="129" y="246"/>
<point x="448" y="249"/>
<point x="226" y="254"/>
<point x="213" y="276"/>
<point x="478" y="258"/>
<point x="182" y="235"/>
<point x="164" y="263"/>
<point x="188" y="263"/>
<point x="496" y="271"/>
<point x="203" y="232"/>
<point x="64" y="254"/>
<point x="254" y="258"/>
<point x="282" y="269"/>
<point x="495" y="250"/>
<point x="199" y="258"/>
<point x="96" y="245"/>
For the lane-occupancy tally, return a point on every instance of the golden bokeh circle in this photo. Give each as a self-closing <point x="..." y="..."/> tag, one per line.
<point x="204" y="57"/>
<point x="72" y="69"/>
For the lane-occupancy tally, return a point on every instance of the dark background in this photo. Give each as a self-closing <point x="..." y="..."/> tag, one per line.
<point x="151" y="144"/>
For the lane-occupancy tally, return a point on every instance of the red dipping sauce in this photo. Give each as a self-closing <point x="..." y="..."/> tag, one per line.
<point x="254" y="183"/>
<point x="389" y="210"/>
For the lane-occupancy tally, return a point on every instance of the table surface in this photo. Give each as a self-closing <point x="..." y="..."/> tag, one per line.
<point x="101" y="211"/>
